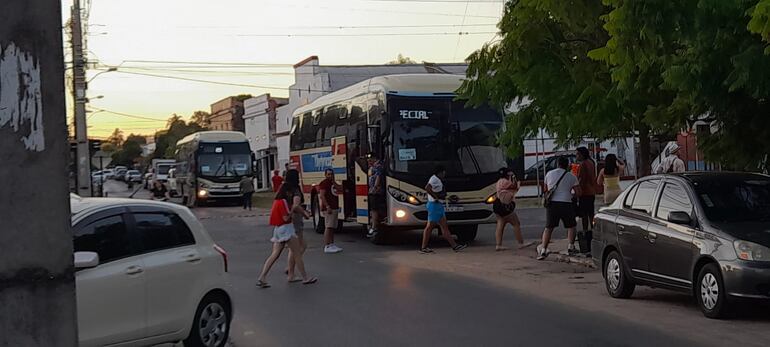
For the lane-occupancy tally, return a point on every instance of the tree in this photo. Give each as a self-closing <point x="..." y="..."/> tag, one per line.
<point x="402" y="60"/>
<point x="708" y="55"/>
<point x="130" y="151"/>
<point x="165" y="140"/>
<point x="201" y="118"/>
<point x="541" y="65"/>
<point x="116" y="138"/>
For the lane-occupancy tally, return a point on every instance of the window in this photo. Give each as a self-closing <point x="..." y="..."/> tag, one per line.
<point x="307" y="132"/>
<point x="673" y="198"/>
<point x="630" y="196"/>
<point x="162" y="231"/>
<point x="644" y="196"/>
<point x="107" y="237"/>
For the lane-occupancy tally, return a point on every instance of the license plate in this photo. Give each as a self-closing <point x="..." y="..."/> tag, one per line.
<point x="455" y="209"/>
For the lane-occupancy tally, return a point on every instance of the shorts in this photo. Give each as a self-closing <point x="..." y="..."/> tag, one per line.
<point x="283" y="233"/>
<point x="560" y="211"/>
<point x="331" y="219"/>
<point x="586" y="205"/>
<point x="503" y="210"/>
<point x="435" y="211"/>
<point x="377" y="202"/>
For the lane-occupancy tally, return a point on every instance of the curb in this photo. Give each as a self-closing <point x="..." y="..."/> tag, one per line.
<point x="570" y="259"/>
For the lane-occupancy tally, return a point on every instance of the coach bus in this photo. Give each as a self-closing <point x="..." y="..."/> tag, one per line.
<point x="210" y="164"/>
<point x="414" y="124"/>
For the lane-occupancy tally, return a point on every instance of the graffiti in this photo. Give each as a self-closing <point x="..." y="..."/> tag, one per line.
<point x="21" y="104"/>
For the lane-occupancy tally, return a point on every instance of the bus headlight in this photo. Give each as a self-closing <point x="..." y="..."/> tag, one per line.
<point x="403" y="196"/>
<point x="491" y="199"/>
<point x="203" y="193"/>
<point x="400" y="214"/>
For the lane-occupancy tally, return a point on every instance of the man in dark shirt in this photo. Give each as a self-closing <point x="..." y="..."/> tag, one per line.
<point x="330" y="207"/>
<point x="159" y="191"/>
<point x="587" y="183"/>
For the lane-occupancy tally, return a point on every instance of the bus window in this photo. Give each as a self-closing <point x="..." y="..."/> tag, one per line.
<point x="307" y="132"/>
<point x="294" y="137"/>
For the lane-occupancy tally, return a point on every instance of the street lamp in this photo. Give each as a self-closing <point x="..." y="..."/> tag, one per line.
<point x="112" y="69"/>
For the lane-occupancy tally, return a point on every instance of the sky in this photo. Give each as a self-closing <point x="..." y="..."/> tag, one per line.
<point x="252" y="43"/>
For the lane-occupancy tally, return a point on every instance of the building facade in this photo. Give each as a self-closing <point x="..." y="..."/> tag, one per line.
<point x="227" y="114"/>
<point x="313" y="80"/>
<point x="260" y="120"/>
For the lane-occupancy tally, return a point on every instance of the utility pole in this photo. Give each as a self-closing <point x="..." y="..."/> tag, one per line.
<point x="79" y="84"/>
<point x="37" y="277"/>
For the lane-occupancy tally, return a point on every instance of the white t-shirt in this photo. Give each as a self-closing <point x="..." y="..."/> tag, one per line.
<point x="673" y="163"/>
<point x="435" y="184"/>
<point x="563" y="192"/>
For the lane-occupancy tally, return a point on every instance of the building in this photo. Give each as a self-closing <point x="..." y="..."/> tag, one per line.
<point x="227" y="114"/>
<point x="313" y="80"/>
<point x="260" y="127"/>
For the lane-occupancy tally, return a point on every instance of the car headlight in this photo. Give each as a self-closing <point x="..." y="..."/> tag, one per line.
<point x="403" y="196"/>
<point x="491" y="199"/>
<point x="751" y="251"/>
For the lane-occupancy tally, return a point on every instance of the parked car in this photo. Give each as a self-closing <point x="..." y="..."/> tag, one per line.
<point x="97" y="178"/>
<point x="531" y="173"/>
<point x="706" y="234"/>
<point x="147" y="273"/>
<point x="108" y="174"/>
<point x="120" y="173"/>
<point x="133" y="176"/>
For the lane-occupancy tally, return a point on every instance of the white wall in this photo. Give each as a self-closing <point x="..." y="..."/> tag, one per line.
<point x="257" y="126"/>
<point x="283" y="152"/>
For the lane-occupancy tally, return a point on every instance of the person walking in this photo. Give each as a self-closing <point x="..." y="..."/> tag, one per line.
<point x="561" y="187"/>
<point x="330" y="207"/>
<point x="247" y="189"/>
<point x="284" y="236"/>
<point x="587" y="182"/>
<point x="276" y="180"/>
<point x="293" y="194"/>
<point x="504" y="207"/>
<point x="436" y="213"/>
<point x="376" y="198"/>
<point x="609" y="177"/>
<point x="672" y="163"/>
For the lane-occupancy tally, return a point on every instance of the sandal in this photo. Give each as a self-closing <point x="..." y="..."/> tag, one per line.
<point x="501" y="248"/>
<point x="310" y="281"/>
<point x="294" y="280"/>
<point x="263" y="284"/>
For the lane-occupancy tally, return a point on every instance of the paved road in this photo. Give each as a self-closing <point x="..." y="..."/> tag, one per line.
<point x="364" y="298"/>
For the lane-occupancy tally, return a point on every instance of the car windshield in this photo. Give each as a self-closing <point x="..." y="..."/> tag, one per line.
<point x="163" y="169"/>
<point x="735" y="199"/>
<point x="133" y="172"/>
<point x="224" y="165"/>
<point x="438" y="131"/>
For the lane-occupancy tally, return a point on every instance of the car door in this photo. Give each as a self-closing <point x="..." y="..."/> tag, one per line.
<point x="673" y="252"/>
<point x="632" y="222"/>
<point x="172" y="266"/>
<point x="111" y="296"/>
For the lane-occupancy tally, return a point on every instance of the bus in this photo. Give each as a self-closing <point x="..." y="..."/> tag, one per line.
<point x="210" y="165"/>
<point x="413" y="123"/>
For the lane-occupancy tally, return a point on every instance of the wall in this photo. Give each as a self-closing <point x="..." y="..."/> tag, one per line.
<point x="37" y="287"/>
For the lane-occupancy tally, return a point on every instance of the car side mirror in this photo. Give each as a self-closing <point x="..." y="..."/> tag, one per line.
<point x="679" y="217"/>
<point x="85" y="260"/>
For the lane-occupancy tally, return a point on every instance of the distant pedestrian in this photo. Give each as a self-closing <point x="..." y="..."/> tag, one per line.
<point x="277" y="180"/>
<point x="436" y="213"/>
<point x="562" y="186"/>
<point x="504" y="207"/>
<point x="284" y="235"/>
<point x="247" y="190"/>
<point x="377" y="204"/>
<point x="330" y="206"/>
<point x="296" y="199"/>
<point x="609" y="177"/>
<point x="158" y="191"/>
<point x="671" y="163"/>
<point x="587" y="182"/>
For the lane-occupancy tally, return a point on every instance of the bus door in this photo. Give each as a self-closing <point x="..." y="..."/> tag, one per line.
<point x="341" y="174"/>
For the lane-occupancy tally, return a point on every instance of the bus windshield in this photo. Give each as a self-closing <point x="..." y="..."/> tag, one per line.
<point x="431" y="131"/>
<point x="224" y="165"/>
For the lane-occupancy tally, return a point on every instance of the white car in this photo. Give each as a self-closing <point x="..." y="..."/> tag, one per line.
<point x="97" y="178"/>
<point x="108" y="174"/>
<point x="133" y="176"/>
<point x="147" y="273"/>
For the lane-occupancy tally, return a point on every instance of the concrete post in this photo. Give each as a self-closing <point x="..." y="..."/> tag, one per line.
<point x="37" y="286"/>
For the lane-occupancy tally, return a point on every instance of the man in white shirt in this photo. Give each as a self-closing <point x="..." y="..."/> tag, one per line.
<point x="561" y="208"/>
<point x="671" y="163"/>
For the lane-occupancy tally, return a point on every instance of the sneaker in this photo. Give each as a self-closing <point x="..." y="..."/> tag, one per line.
<point x="426" y="250"/>
<point x="542" y="252"/>
<point x="371" y="233"/>
<point x="572" y="250"/>
<point x="331" y="249"/>
<point x="459" y="247"/>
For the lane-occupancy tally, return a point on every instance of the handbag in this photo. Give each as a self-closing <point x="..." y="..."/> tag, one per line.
<point x="549" y="194"/>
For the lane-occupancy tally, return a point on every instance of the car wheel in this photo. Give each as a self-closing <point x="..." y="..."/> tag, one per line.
<point x="211" y="326"/>
<point x="615" y="277"/>
<point x="710" y="292"/>
<point x="465" y="233"/>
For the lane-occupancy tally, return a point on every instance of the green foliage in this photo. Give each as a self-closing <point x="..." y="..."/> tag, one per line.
<point x="176" y="129"/>
<point x="130" y="151"/>
<point x="202" y="118"/>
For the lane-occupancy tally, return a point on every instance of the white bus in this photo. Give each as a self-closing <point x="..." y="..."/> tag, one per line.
<point x="414" y="124"/>
<point x="210" y="165"/>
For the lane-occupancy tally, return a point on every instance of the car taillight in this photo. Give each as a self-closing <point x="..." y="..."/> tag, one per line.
<point x="222" y="252"/>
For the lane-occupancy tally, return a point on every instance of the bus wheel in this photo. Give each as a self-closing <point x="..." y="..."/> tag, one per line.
<point x="465" y="233"/>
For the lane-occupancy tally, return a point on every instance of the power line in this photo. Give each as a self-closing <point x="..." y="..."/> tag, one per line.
<point x="129" y="115"/>
<point x="217" y="82"/>
<point x="465" y="33"/>
<point x="457" y="46"/>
